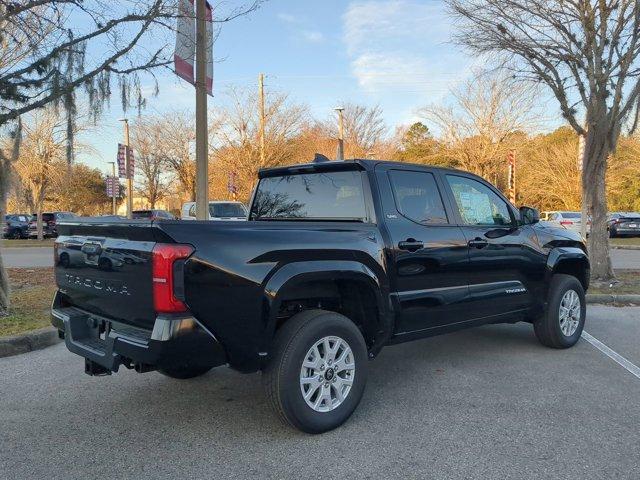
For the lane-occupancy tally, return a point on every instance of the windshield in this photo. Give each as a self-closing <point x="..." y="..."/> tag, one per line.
<point x="313" y="196"/>
<point x="571" y="215"/>
<point x="227" y="210"/>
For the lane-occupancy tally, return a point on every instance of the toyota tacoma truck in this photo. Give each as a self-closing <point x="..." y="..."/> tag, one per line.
<point x="336" y="261"/>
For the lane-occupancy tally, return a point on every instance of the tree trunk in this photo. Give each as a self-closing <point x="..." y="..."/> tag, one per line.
<point x="598" y="147"/>
<point x="39" y="221"/>
<point x="4" y="279"/>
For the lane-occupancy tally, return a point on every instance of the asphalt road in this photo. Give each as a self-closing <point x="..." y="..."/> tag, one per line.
<point x="486" y="403"/>
<point x="30" y="257"/>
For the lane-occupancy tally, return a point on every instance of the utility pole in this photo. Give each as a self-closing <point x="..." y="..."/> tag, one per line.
<point x="202" y="162"/>
<point x="261" y="100"/>
<point x="113" y="192"/>
<point x="340" y="154"/>
<point x="127" y="156"/>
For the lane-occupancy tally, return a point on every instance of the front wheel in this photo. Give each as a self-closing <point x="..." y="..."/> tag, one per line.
<point x="562" y="323"/>
<point x="317" y="373"/>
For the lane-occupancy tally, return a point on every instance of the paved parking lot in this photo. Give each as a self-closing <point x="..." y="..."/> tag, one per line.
<point x="485" y="403"/>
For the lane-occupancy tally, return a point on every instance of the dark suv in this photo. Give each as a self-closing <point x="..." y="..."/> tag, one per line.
<point x="15" y="226"/>
<point x="49" y="223"/>
<point x="336" y="261"/>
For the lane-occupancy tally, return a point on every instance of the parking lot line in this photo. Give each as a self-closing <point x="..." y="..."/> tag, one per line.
<point x="616" y="357"/>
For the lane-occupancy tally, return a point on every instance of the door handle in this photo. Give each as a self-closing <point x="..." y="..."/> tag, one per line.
<point x="411" y="245"/>
<point x="478" y="243"/>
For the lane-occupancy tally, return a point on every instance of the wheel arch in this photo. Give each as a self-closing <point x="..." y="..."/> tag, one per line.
<point x="570" y="261"/>
<point x="347" y="287"/>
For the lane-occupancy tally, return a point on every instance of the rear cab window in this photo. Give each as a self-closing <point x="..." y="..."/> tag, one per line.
<point x="417" y="197"/>
<point x="332" y="196"/>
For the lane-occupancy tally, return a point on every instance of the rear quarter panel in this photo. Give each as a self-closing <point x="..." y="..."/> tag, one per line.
<point x="226" y="278"/>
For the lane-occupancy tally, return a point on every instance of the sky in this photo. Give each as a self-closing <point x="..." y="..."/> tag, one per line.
<point x="392" y="53"/>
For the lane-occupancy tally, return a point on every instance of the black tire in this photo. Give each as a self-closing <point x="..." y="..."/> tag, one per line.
<point x="65" y="260"/>
<point x="612" y="233"/>
<point x="281" y="377"/>
<point x="547" y="328"/>
<point x="184" y="372"/>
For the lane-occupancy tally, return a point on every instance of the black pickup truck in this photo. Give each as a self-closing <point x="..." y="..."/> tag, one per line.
<point x="336" y="260"/>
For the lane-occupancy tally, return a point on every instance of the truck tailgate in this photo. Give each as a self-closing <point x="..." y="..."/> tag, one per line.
<point x="107" y="269"/>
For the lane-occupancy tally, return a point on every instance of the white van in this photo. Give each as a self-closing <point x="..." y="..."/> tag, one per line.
<point x="218" y="210"/>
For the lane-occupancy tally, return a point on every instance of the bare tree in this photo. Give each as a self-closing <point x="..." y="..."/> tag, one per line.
<point x="481" y="126"/>
<point x="586" y="52"/>
<point x="151" y="160"/>
<point x="235" y="138"/>
<point x="364" y="130"/>
<point x="41" y="159"/>
<point x="165" y="143"/>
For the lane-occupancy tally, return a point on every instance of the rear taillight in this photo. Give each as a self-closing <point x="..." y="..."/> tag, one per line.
<point x="566" y="222"/>
<point x="164" y="257"/>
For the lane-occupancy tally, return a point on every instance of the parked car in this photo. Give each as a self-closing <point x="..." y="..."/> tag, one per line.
<point x="153" y="214"/>
<point x="568" y="220"/>
<point x="15" y="226"/>
<point x="218" y="210"/>
<point x="49" y="223"/>
<point x="624" y="224"/>
<point x="337" y="260"/>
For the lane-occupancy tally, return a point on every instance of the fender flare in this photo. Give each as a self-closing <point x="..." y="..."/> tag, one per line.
<point x="297" y="272"/>
<point x="560" y="254"/>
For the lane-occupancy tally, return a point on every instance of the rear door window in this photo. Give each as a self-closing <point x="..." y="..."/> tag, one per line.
<point x="417" y="197"/>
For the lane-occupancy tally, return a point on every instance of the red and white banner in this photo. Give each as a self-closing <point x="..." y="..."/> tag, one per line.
<point x="185" y="52"/>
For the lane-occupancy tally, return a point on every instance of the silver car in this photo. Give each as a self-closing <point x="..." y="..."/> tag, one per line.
<point x="568" y="220"/>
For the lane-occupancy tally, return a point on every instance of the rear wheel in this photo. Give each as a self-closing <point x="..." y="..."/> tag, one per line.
<point x="184" y="372"/>
<point x="317" y="374"/>
<point x="561" y="325"/>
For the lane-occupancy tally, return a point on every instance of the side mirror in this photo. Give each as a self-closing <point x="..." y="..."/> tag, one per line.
<point x="529" y="216"/>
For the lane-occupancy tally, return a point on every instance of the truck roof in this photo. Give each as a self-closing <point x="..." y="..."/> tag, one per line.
<point x="341" y="165"/>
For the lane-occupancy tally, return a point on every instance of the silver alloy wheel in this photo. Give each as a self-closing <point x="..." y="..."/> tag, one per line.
<point x="570" y="312"/>
<point x="327" y="374"/>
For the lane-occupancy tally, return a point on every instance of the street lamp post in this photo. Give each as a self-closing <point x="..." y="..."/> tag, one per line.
<point x="127" y="169"/>
<point x="340" y="154"/>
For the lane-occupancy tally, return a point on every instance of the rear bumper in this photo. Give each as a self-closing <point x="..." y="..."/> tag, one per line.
<point x="107" y="344"/>
<point x="626" y="231"/>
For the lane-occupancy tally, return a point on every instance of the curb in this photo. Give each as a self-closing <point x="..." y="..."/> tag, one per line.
<point x="608" y="299"/>
<point x="28" y="342"/>
<point x="624" y="247"/>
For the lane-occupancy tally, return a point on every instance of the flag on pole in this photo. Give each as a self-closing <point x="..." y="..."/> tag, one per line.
<point x="122" y="165"/>
<point x="185" y="51"/>
<point x="131" y="163"/>
<point x="113" y="187"/>
<point x="581" y="143"/>
<point x="512" y="176"/>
